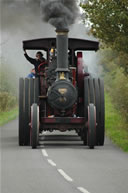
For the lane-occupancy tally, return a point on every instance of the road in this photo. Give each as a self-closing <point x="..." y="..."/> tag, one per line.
<point x="61" y="164"/>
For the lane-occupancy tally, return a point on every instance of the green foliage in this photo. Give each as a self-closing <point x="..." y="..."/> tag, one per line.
<point x="109" y="23"/>
<point x="7" y="101"/>
<point x="7" y="116"/>
<point x="8" y="88"/>
<point x="116" y="82"/>
<point x="116" y="125"/>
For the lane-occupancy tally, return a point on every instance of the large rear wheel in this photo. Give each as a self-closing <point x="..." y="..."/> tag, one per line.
<point x="21" y="111"/>
<point x="91" y="91"/>
<point x="86" y="96"/>
<point x="36" y="90"/>
<point x="86" y="102"/>
<point x="31" y="92"/>
<point x="97" y="104"/>
<point x="26" y="119"/>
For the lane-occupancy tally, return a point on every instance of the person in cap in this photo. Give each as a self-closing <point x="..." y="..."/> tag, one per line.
<point x="39" y="60"/>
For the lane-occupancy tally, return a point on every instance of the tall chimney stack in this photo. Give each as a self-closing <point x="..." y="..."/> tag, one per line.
<point x="62" y="50"/>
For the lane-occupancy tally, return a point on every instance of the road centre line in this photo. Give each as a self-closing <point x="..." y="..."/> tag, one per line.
<point x="82" y="190"/>
<point x="68" y="178"/>
<point x="65" y="175"/>
<point x="51" y="162"/>
<point x="44" y="153"/>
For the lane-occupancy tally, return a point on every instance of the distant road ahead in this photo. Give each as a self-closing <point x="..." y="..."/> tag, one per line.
<point x="60" y="165"/>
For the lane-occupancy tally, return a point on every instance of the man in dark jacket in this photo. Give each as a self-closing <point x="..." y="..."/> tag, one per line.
<point x="36" y="61"/>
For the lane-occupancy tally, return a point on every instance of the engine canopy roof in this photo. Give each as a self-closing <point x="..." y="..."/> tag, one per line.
<point x="73" y="44"/>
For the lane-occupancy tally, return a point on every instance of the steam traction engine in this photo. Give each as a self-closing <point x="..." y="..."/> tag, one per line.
<point x="62" y="96"/>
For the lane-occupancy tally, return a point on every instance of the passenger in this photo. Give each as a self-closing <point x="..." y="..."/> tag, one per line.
<point x="36" y="61"/>
<point x="32" y="74"/>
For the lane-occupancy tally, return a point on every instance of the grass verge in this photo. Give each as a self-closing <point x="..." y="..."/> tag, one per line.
<point x="116" y="125"/>
<point x="7" y="116"/>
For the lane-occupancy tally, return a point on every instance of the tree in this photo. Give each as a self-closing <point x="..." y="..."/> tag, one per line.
<point x="108" y="22"/>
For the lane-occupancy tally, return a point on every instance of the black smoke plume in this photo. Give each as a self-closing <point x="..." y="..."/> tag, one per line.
<point x="59" y="13"/>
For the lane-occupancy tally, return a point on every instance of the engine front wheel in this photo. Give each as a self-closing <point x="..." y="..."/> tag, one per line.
<point x="34" y="125"/>
<point x="91" y="134"/>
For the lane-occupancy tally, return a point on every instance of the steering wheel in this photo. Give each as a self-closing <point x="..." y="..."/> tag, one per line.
<point x="42" y="64"/>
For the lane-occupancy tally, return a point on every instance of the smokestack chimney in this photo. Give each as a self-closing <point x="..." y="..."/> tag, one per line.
<point x="62" y="94"/>
<point x="62" y="50"/>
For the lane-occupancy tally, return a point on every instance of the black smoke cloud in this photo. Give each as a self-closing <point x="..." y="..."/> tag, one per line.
<point x="59" y="13"/>
<point x="19" y="14"/>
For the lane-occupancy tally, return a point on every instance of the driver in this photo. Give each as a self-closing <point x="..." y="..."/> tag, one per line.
<point x="36" y="61"/>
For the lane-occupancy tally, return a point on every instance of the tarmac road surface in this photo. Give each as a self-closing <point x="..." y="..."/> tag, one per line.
<point x="61" y="164"/>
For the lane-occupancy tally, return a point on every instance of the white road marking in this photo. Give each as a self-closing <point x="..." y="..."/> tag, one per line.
<point x="65" y="175"/>
<point x="82" y="190"/>
<point x="44" y="153"/>
<point x="51" y="162"/>
<point x="68" y="178"/>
